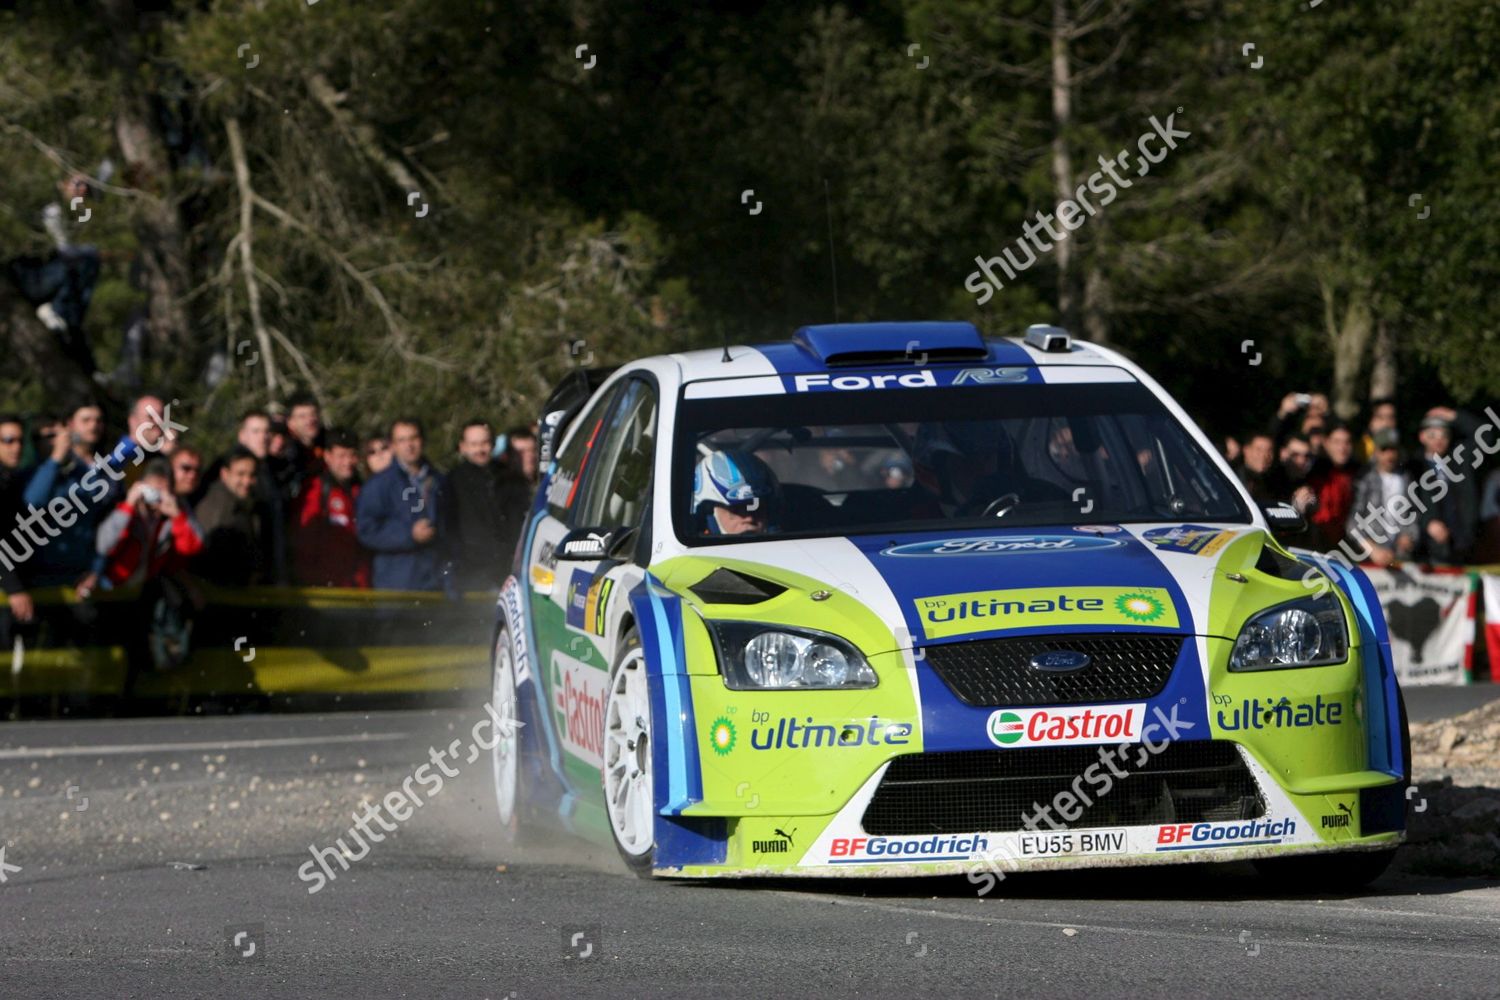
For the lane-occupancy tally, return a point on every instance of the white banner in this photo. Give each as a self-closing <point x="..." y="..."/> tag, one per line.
<point x="1431" y="622"/>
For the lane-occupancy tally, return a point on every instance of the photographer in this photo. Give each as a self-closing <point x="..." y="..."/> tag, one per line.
<point x="146" y="542"/>
<point x="148" y="534"/>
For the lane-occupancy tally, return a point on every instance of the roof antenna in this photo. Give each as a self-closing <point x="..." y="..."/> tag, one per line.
<point x="833" y="264"/>
<point x="726" y="358"/>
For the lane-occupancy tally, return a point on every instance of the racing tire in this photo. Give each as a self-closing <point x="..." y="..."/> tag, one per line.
<point x="626" y="774"/>
<point x="1347" y="872"/>
<point x="510" y="793"/>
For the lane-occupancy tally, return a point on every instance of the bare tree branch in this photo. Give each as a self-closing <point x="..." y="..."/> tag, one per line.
<point x="372" y="292"/>
<point x="245" y="237"/>
<point x="65" y="165"/>
<point x="359" y="134"/>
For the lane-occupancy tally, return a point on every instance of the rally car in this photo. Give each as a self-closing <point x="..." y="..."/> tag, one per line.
<point x="898" y="599"/>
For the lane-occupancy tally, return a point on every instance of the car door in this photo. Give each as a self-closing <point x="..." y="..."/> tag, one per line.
<point x="608" y="498"/>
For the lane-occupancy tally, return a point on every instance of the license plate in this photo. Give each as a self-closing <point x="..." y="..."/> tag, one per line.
<point x="1041" y="845"/>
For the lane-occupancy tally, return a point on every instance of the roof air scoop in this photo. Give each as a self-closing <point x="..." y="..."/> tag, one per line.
<point x="837" y="344"/>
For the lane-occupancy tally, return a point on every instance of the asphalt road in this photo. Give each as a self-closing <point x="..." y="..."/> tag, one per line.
<point x="138" y="851"/>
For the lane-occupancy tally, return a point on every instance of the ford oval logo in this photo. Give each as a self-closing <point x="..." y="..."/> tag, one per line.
<point x="1000" y="545"/>
<point x="1060" y="661"/>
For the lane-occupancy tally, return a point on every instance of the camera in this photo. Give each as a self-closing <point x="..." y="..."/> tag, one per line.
<point x="150" y="495"/>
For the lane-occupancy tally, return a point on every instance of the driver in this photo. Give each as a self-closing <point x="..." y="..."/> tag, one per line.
<point x="734" y="493"/>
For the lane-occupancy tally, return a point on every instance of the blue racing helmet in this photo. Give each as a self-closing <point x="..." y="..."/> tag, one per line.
<point x="732" y="478"/>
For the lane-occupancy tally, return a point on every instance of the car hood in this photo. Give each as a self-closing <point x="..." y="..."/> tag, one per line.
<point x="937" y="587"/>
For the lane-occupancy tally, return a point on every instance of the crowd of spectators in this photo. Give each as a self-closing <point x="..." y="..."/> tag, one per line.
<point x="1337" y="473"/>
<point x="288" y="502"/>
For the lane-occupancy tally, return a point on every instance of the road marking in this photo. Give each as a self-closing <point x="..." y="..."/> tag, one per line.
<point x="1381" y="948"/>
<point x="30" y="753"/>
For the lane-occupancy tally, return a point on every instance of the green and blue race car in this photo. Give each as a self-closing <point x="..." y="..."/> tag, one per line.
<point x="898" y="599"/>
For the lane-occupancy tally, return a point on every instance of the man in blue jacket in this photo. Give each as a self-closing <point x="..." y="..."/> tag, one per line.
<point x="70" y="487"/>
<point x="399" y="514"/>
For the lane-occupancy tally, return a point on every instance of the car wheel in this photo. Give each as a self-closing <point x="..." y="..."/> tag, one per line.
<point x="628" y="788"/>
<point x="506" y="753"/>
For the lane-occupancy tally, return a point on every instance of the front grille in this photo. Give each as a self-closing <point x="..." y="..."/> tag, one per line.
<point x="994" y="672"/>
<point x="978" y="791"/>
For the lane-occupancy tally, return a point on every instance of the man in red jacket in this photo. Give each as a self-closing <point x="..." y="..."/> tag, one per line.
<point x="325" y="549"/>
<point x="148" y="535"/>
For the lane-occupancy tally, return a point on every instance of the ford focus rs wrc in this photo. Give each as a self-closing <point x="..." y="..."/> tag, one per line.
<point x="897" y="599"/>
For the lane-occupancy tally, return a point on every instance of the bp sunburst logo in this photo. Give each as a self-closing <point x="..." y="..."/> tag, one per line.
<point x="722" y="736"/>
<point x="1139" y="607"/>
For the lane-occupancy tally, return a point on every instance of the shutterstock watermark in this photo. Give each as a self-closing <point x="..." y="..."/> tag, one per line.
<point x="1070" y="803"/>
<point x="1104" y="182"/>
<point x="35" y="528"/>
<point x="403" y="802"/>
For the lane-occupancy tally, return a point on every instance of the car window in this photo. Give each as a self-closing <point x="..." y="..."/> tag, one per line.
<point x="905" y="460"/>
<point x="615" y="491"/>
<point x="572" y="463"/>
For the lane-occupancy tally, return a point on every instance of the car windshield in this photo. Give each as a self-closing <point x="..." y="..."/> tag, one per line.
<point x="860" y="462"/>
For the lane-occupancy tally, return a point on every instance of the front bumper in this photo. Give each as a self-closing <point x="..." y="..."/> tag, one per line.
<point x="788" y="779"/>
<point x="1368" y="814"/>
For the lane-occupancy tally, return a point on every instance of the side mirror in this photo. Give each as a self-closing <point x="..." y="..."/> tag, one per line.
<point x="1284" y="518"/>
<point x="589" y="544"/>
<point x="584" y="544"/>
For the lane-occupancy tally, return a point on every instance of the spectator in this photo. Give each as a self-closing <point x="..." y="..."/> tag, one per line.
<point x="1316" y="431"/>
<point x="488" y="508"/>
<point x="1447" y="525"/>
<point x="1383" y="481"/>
<point x="187" y="473"/>
<point x="68" y="472"/>
<point x="1232" y="451"/>
<point x="43" y="428"/>
<point x="254" y="437"/>
<point x="62" y="285"/>
<point x="234" y="553"/>
<point x="254" y="434"/>
<point x="377" y="454"/>
<point x="12" y="446"/>
<point x="398" y="514"/>
<point x="1288" y="479"/>
<point x="1332" y="482"/>
<point x="148" y="541"/>
<point x="1258" y="455"/>
<point x="1296" y="411"/>
<point x="304" y="448"/>
<point x="325" y="543"/>
<point x="521" y="453"/>
<point x="148" y="535"/>
<point x="18" y="608"/>
<point x="1382" y="417"/>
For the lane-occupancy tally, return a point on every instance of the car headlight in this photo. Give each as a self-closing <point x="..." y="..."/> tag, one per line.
<point x="756" y="657"/>
<point x="1308" y="632"/>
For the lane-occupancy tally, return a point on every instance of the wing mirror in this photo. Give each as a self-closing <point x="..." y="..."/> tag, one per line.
<point x="1284" y="519"/>
<point x="590" y="544"/>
